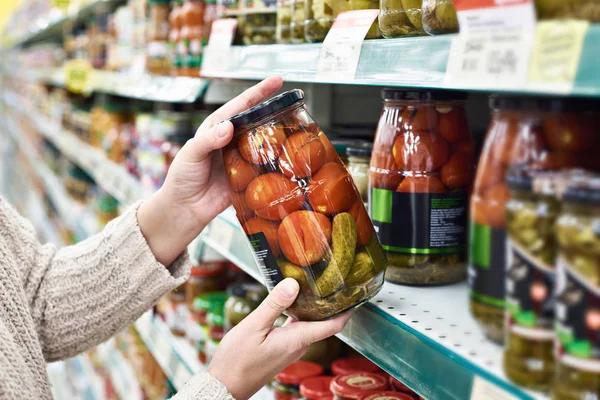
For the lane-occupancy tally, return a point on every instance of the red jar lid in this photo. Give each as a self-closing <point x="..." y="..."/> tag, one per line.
<point x="207" y="270"/>
<point x="358" y="384"/>
<point x="316" y="388"/>
<point x="296" y="372"/>
<point x="347" y="365"/>
<point x="399" y="386"/>
<point x="388" y="396"/>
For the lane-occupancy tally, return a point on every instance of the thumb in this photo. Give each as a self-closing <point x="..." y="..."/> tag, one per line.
<point x="207" y="140"/>
<point x="280" y="299"/>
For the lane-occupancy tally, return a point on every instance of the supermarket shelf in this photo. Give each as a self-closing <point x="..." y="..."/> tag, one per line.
<point x="406" y="62"/>
<point x="86" y="381"/>
<point x="136" y="86"/>
<point x="423" y="336"/>
<point x="121" y="373"/>
<point x="176" y="357"/>
<point x="78" y="219"/>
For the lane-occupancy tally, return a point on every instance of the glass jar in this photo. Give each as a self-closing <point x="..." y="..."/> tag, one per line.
<point x="588" y="10"/>
<point x="216" y="323"/>
<point x="309" y="221"/>
<point x="530" y="278"/>
<point x="357" y="385"/>
<point x="578" y="295"/>
<point x="192" y="35"/>
<point x="297" y="23"/>
<point x="320" y="15"/>
<point x="399" y="18"/>
<point x="172" y="145"/>
<point x="358" y="166"/>
<point x="317" y="388"/>
<point x="175" y="23"/>
<point x="158" y="37"/>
<point x="347" y="365"/>
<point x="439" y="17"/>
<point x="544" y="133"/>
<point x="284" y="20"/>
<point x="177" y="314"/>
<point x="388" y="395"/>
<point x="205" y="278"/>
<point x="287" y="381"/>
<point x="421" y="171"/>
<point x="374" y="32"/>
<point x="324" y="351"/>
<point x="204" y="303"/>
<point x="243" y="299"/>
<point x="259" y="22"/>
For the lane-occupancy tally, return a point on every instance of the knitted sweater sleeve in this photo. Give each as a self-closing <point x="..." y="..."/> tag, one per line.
<point x="203" y="387"/>
<point x="83" y="294"/>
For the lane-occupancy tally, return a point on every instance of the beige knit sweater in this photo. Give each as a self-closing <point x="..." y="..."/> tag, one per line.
<point x="55" y="304"/>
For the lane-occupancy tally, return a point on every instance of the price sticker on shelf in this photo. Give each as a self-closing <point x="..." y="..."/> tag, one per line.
<point x="556" y="54"/>
<point x="340" y="51"/>
<point x="484" y="390"/>
<point x="494" y="44"/>
<point x="217" y="53"/>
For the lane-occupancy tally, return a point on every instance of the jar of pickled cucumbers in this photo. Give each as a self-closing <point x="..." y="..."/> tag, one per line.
<point x="399" y="18"/>
<point x="421" y="170"/>
<point x="544" y="133"/>
<point x="374" y="32"/>
<point x="259" y="22"/>
<point x="284" y="20"/>
<point x="298" y="18"/>
<point x="320" y="15"/>
<point x="439" y="17"/>
<point x="301" y="210"/>
<point x="530" y="277"/>
<point x="578" y="299"/>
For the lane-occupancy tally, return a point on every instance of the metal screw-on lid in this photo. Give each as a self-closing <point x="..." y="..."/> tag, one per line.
<point x="266" y="108"/>
<point x="422" y="94"/>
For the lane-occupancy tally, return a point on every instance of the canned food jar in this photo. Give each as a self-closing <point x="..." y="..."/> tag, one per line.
<point x="439" y="17"/>
<point x="243" y="299"/>
<point x="284" y="20"/>
<point x="578" y="287"/>
<point x="388" y="395"/>
<point x="320" y="15"/>
<point x="298" y="18"/>
<point x="204" y="278"/>
<point x="258" y="23"/>
<point x="359" y="158"/>
<point x="203" y="304"/>
<point x="347" y="365"/>
<point x="317" y="388"/>
<point x="530" y="278"/>
<point x="399" y="18"/>
<point x="355" y="385"/>
<point x="287" y="381"/>
<point x="301" y="210"/>
<point x="421" y="171"/>
<point x="544" y="133"/>
<point x="588" y="10"/>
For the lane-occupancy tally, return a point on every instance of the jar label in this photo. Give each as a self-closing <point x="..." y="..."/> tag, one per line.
<point x="420" y="223"/>
<point x="530" y="296"/>
<point x="577" y="323"/>
<point x="487" y="266"/>
<point x="267" y="264"/>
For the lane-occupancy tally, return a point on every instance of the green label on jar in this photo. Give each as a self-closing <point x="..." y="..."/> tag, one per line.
<point x="487" y="266"/>
<point x="420" y="223"/>
<point x="267" y="264"/>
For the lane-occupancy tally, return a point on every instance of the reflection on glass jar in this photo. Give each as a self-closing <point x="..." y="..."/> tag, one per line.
<point x="301" y="210"/>
<point x="421" y="171"/>
<point x="320" y="15"/>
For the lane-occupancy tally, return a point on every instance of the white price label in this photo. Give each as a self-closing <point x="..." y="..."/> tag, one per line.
<point x="217" y="54"/>
<point x="484" y="390"/>
<point x="340" y="52"/>
<point x="222" y="233"/>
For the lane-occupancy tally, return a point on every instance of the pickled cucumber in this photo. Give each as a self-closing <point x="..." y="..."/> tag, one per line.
<point x="413" y="269"/>
<point x="343" y="247"/>
<point x="362" y="269"/>
<point x="290" y="270"/>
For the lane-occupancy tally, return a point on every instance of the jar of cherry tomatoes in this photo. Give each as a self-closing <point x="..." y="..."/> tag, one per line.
<point x="356" y="385"/>
<point x="301" y="210"/>
<point x="421" y="171"/>
<point x="546" y="133"/>
<point x="287" y="381"/>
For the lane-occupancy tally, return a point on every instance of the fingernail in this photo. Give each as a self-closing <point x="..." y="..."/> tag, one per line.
<point x="289" y="288"/>
<point x="220" y="130"/>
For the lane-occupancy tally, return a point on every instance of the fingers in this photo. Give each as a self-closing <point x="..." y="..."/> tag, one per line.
<point x="207" y="140"/>
<point x="246" y="100"/>
<point x="302" y="334"/>
<point x="281" y="297"/>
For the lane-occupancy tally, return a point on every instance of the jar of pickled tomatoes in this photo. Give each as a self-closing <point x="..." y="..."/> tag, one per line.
<point x="421" y="171"/>
<point x="301" y="209"/>
<point x="545" y="133"/>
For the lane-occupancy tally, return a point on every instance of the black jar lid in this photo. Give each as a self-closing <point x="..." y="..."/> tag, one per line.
<point x="422" y="94"/>
<point x="267" y="108"/>
<point x="520" y="178"/>
<point x="363" y="150"/>
<point x="549" y="104"/>
<point x="584" y="191"/>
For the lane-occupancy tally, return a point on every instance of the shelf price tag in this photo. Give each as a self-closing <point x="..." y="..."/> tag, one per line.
<point x="556" y="53"/>
<point x="79" y="76"/>
<point x="217" y="53"/>
<point x="340" y="51"/>
<point x="494" y="44"/>
<point x="484" y="390"/>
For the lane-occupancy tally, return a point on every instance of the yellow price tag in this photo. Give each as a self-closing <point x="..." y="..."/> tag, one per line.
<point x="556" y="52"/>
<point x="79" y="76"/>
<point x="62" y="4"/>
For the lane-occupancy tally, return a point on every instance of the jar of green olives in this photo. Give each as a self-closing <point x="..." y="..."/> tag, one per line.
<point x="243" y="299"/>
<point x="399" y="18"/>
<point x="320" y="15"/>
<point x="259" y="22"/>
<point x="577" y="321"/>
<point x="284" y="19"/>
<point x="530" y="276"/>
<point x="439" y="17"/>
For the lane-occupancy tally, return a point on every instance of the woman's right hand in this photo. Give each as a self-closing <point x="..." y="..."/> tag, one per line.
<point x="253" y="352"/>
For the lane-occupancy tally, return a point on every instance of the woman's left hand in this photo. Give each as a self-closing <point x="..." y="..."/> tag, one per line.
<point x="196" y="188"/>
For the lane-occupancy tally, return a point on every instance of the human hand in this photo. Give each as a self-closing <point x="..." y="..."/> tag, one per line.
<point x="196" y="188"/>
<point x="253" y="352"/>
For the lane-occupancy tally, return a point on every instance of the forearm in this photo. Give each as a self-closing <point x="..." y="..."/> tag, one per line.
<point x="167" y="229"/>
